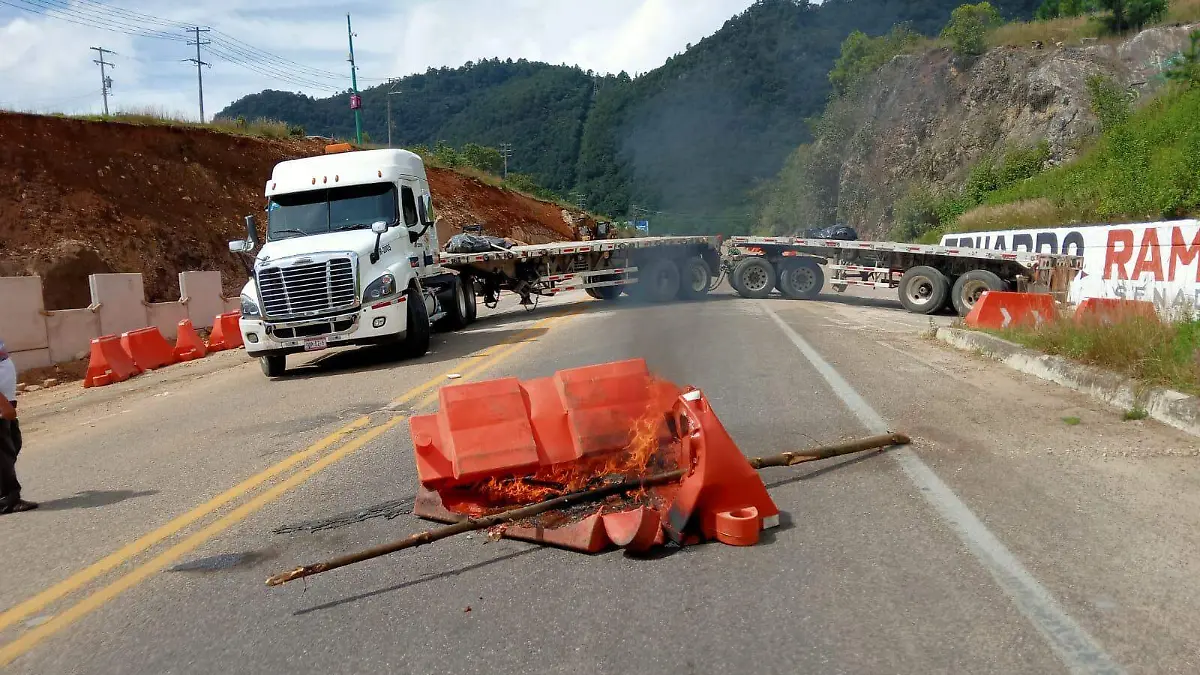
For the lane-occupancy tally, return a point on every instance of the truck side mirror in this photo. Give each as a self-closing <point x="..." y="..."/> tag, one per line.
<point x="239" y="246"/>
<point x="379" y="226"/>
<point x="252" y="232"/>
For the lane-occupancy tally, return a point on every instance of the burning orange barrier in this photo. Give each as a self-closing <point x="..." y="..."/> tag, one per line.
<point x="505" y="443"/>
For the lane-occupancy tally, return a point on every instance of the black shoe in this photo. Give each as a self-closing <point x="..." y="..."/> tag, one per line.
<point x="17" y="506"/>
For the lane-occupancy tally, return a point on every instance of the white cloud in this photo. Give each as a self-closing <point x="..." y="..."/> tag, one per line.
<point x="46" y="64"/>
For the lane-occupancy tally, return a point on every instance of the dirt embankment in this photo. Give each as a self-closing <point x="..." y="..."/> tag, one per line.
<point x="79" y="198"/>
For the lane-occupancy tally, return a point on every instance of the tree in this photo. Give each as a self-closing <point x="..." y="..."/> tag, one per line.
<point x="1185" y="68"/>
<point x="1126" y="15"/>
<point x="862" y="55"/>
<point x="482" y="158"/>
<point x="1055" y="9"/>
<point x="968" y="28"/>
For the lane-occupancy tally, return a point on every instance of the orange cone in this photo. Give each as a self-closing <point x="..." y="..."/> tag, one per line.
<point x="188" y="345"/>
<point x="226" y="334"/>
<point x="109" y="362"/>
<point x="148" y="348"/>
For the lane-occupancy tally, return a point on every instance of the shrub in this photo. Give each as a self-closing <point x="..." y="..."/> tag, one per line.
<point x="968" y="28"/>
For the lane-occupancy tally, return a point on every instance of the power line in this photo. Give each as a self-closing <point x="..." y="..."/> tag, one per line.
<point x="199" y="64"/>
<point x="105" y="80"/>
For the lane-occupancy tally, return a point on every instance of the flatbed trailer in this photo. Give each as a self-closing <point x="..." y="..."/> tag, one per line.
<point x="927" y="277"/>
<point x="655" y="269"/>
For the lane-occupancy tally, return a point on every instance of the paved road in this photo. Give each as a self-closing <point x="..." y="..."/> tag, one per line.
<point x="1004" y="540"/>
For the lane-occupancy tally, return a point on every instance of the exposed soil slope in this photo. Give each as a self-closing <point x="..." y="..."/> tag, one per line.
<point x="80" y="197"/>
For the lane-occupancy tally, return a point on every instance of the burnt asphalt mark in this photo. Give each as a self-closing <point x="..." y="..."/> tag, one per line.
<point x="389" y="510"/>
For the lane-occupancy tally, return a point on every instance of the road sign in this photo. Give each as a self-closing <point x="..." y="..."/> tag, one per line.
<point x="643" y="226"/>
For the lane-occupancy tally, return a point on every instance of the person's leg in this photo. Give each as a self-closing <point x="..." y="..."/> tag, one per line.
<point x="10" y="487"/>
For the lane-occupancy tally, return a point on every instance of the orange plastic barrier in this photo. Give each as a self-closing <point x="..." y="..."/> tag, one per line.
<point x="502" y="439"/>
<point x="739" y="527"/>
<point x="1003" y="309"/>
<point x="148" y="348"/>
<point x="1108" y="310"/>
<point x="225" y="332"/>
<point x="109" y="363"/>
<point x="188" y="344"/>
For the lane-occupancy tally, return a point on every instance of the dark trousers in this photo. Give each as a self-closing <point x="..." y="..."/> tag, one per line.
<point x="10" y="447"/>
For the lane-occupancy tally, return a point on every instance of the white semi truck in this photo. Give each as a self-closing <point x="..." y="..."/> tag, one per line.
<point x="350" y="259"/>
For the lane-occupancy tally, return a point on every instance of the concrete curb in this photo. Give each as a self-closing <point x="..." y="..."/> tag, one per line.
<point x="1165" y="405"/>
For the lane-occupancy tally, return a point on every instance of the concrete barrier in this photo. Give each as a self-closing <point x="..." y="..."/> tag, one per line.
<point x="37" y="338"/>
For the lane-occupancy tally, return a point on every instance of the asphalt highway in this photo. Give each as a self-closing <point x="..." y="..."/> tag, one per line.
<point x="1027" y="529"/>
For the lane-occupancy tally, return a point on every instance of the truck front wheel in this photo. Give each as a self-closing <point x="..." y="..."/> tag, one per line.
<point x="274" y="365"/>
<point x="416" y="338"/>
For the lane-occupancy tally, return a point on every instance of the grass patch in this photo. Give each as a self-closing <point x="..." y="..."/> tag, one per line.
<point x="1153" y="352"/>
<point x="1135" y="414"/>
<point x="1071" y="421"/>
<point x="158" y="116"/>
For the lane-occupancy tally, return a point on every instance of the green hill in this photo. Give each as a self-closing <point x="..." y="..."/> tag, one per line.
<point x="685" y="142"/>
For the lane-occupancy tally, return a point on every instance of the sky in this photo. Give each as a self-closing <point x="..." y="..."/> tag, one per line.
<point x="46" y="64"/>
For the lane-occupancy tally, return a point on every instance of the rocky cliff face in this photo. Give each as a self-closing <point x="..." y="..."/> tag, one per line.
<point x="927" y="119"/>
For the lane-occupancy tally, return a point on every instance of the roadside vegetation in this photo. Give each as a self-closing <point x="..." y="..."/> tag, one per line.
<point x="151" y="116"/>
<point x="1152" y="352"/>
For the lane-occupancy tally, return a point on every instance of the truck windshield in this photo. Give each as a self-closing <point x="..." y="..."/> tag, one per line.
<point x="300" y="214"/>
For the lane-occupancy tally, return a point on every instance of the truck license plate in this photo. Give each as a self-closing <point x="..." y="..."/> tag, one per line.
<point x="315" y="344"/>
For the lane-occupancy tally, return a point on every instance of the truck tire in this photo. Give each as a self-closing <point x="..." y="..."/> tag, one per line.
<point x="456" y="309"/>
<point x="416" y="337"/>
<point x="608" y="293"/>
<point x="923" y="290"/>
<point x="753" y="278"/>
<point x="273" y="365"/>
<point x="658" y="281"/>
<point x="695" y="279"/>
<point x="593" y="293"/>
<point x="968" y="287"/>
<point x="472" y="304"/>
<point x="801" y="280"/>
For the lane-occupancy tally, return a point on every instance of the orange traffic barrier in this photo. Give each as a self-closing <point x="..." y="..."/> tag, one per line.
<point x="1003" y="309"/>
<point x="739" y="527"/>
<point x="109" y="363"/>
<point x="506" y="442"/>
<point x="188" y="344"/>
<point x="226" y="334"/>
<point x="148" y="348"/>
<point x="1109" y="310"/>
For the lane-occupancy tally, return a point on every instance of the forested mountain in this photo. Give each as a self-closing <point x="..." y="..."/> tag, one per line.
<point x="689" y="138"/>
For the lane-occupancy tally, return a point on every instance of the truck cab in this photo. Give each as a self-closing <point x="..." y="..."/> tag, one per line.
<point x="350" y="258"/>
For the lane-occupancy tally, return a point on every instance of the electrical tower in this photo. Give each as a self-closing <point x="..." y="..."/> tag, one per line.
<point x="506" y="152"/>
<point x="199" y="64"/>
<point x="105" y="80"/>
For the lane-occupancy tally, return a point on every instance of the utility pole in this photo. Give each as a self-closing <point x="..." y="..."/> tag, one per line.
<point x="506" y="152"/>
<point x="105" y="80"/>
<point x="391" y="92"/>
<point x="199" y="64"/>
<point x="355" y="101"/>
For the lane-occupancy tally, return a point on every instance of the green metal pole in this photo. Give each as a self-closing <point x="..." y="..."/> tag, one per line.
<point x="354" y="82"/>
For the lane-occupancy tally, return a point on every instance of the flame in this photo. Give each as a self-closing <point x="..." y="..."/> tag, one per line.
<point x="648" y="450"/>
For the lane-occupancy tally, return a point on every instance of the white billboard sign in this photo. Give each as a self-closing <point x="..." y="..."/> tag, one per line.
<point x="1159" y="262"/>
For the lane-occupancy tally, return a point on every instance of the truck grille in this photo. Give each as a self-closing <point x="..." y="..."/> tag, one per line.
<point x="307" y="289"/>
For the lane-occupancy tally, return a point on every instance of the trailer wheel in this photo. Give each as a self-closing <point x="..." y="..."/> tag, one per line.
<point x="968" y="287"/>
<point x="593" y="292"/>
<point x="415" y="342"/>
<point x="658" y="281"/>
<point x="608" y="293"/>
<point x="456" y="310"/>
<point x="273" y="365"/>
<point x="753" y="278"/>
<point x="923" y="290"/>
<point x="695" y="279"/>
<point x="801" y="280"/>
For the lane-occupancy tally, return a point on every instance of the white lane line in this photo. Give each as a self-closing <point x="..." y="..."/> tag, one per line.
<point x="1070" y="642"/>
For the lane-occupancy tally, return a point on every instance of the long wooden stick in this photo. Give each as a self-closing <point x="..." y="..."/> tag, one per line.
<point x="430" y="536"/>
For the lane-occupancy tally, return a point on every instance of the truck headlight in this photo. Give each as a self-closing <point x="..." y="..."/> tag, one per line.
<point x="250" y="308"/>
<point x="380" y="288"/>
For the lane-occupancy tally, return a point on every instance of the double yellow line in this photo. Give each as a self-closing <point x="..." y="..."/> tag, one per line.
<point x="354" y="430"/>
